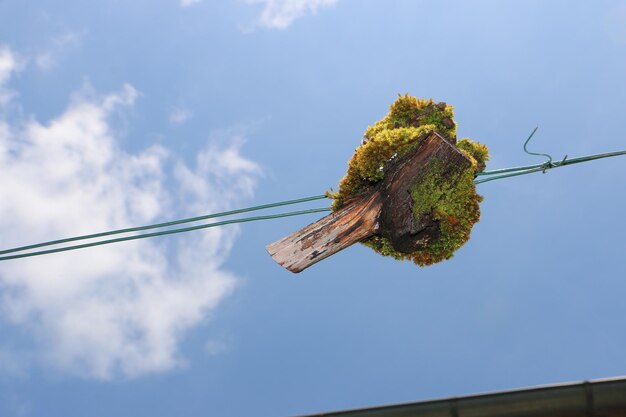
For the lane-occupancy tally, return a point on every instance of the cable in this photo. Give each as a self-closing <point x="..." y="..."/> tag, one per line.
<point x="499" y="174"/>
<point x="488" y="176"/>
<point x="160" y="225"/>
<point x="529" y="169"/>
<point x="162" y="233"/>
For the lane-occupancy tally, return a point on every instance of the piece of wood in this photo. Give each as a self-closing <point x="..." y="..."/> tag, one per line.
<point x="384" y="209"/>
<point x="354" y="222"/>
<point x="397" y="222"/>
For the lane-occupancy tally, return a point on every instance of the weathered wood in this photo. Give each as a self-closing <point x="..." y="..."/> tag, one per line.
<point x="397" y="222"/>
<point x="385" y="209"/>
<point x="354" y="222"/>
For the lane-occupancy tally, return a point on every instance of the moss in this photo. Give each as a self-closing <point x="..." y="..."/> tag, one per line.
<point x="477" y="152"/>
<point x="366" y="166"/>
<point x="409" y="120"/>
<point x="451" y="201"/>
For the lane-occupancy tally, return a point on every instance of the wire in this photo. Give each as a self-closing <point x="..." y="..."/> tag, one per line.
<point x="499" y="174"/>
<point x="160" y="225"/>
<point x="529" y="169"/>
<point x="162" y="233"/>
<point x="492" y="175"/>
<point x="535" y="153"/>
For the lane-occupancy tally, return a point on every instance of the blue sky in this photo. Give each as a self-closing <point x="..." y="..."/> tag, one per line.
<point x="125" y="113"/>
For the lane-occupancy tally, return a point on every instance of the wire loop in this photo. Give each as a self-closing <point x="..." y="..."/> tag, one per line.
<point x="547" y="163"/>
<point x="502" y="173"/>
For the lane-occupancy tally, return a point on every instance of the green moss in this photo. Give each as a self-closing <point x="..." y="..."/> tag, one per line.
<point x="409" y="120"/>
<point x="454" y="203"/>
<point x="383" y="246"/>
<point x="451" y="201"/>
<point x="478" y="152"/>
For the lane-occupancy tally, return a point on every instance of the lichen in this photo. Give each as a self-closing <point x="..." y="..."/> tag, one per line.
<point x="452" y="201"/>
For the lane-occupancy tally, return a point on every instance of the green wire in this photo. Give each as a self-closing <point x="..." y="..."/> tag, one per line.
<point x="159" y="225"/>
<point x="162" y="233"/>
<point x="529" y="169"/>
<point x="489" y="176"/>
<point x="499" y="174"/>
<point x="535" y="153"/>
<point x="511" y="174"/>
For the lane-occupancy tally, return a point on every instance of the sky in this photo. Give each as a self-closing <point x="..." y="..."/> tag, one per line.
<point x="117" y="114"/>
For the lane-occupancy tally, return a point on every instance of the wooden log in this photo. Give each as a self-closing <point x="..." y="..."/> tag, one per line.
<point x="384" y="209"/>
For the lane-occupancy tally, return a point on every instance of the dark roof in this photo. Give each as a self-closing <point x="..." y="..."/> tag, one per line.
<point x="597" y="398"/>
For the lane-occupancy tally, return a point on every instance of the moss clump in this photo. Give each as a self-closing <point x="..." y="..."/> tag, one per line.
<point x="452" y="202"/>
<point x="409" y="120"/>
<point x="478" y="152"/>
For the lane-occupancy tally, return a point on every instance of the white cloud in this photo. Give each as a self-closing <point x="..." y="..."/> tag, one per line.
<point x="119" y="309"/>
<point x="179" y="116"/>
<point x="279" y="14"/>
<point x="49" y="58"/>
<point x="187" y="3"/>
<point x="8" y="65"/>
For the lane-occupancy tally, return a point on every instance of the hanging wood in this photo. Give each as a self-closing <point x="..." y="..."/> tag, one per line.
<point x="385" y="209"/>
<point x="408" y="192"/>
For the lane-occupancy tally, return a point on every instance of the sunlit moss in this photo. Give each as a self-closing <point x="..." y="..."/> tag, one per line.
<point x="454" y="203"/>
<point x="479" y="153"/>
<point x="451" y="201"/>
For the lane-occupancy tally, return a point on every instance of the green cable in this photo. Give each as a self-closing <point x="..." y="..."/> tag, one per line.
<point x="511" y="174"/>
<point x="529" y="169"/>
<point x="159" y="225"/>
<point x="162" y="233"/>
<point x="490" y="176"/>
<point x="498" y="174"/>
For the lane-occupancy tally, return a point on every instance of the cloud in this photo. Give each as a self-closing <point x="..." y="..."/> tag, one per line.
<point x="187" y="3"/>
<point x="122" y="309"/>
<point x="59" y="45"/>
<point x="179" y="116"/>
<point x="279" y="14"/>
<point x="8" y="66"/>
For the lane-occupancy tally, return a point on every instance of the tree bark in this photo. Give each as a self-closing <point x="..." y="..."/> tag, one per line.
<point x="385" y="209"/>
